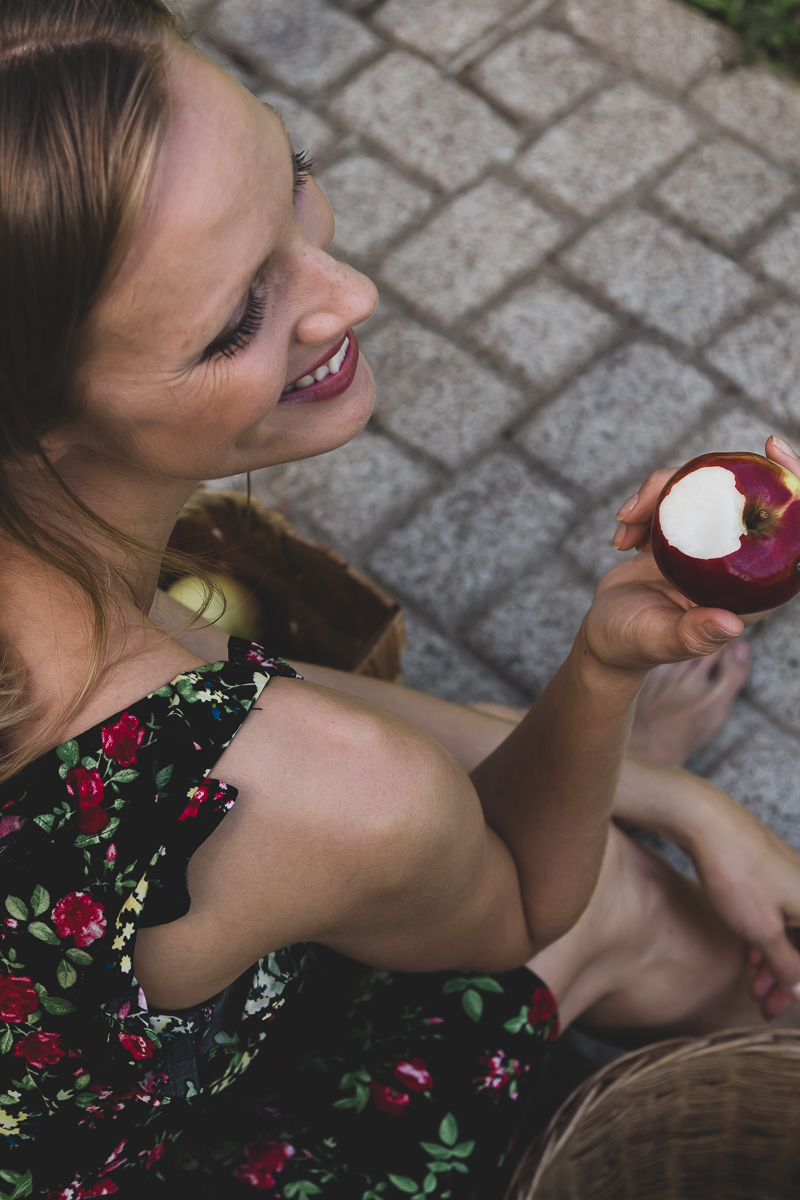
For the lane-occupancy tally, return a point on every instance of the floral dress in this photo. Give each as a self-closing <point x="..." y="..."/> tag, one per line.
<point x="310" y="1075"/>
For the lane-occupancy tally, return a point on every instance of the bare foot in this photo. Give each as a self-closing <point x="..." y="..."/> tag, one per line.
<point x="682" y="706"/>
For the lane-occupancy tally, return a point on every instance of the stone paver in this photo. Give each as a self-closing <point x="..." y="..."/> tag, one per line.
<point x="301" y="43"/>
<point x="584" y="219"/>
<point x="348" y="493"/>
<point x="778" y="254"/>
<point x="543" y="330"/>
<point x="617" y="418"/>
<point x="530" y="631"/>
<point x="434" y="396"/>
<point x="661" y="39"/>
<point x="725" y="191"/>
<point x="482" y="531"/>
<point x="307" y="129"/>
<point x="657" y="272"/>
<point x="456" y="672"/>
<point x="475" y="246"/>
<point x="775" y="683"/>
<point x="427" y="122"/>
<point x="440" y="28"/>
<point x="538" y="74"/>
<point x="762" y="355"/>
<point x="372" y="201"/>
<point x="606" y="147"/>
<point x="758" y="105"/>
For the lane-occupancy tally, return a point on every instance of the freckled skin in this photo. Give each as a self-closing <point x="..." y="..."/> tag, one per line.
<point x="763" y="573"/>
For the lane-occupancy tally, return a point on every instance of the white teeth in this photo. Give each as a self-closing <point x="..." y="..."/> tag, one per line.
<point x="335" y="363"/>
<point x="331" y="367"/>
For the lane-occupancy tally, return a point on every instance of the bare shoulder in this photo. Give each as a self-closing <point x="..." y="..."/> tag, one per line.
<point x="348" y="818"/>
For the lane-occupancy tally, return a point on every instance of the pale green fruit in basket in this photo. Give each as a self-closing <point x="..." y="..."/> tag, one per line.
<point x="243" y="616"/>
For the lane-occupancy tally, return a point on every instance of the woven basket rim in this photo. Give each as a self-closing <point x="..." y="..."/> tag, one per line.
<point x="637" y="1065"/>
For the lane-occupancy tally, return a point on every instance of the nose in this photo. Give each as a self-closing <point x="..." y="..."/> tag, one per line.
<point x="342" y="297"/>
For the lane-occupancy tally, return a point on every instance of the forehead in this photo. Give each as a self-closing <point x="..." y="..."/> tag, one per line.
<point x="217" y="197"/>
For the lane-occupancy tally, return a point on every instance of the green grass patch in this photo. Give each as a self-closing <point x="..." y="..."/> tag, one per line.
<point x="770" y="29"/>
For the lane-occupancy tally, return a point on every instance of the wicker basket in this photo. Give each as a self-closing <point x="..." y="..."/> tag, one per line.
<point x="716" y="1118"/>
<point x="318" y="608"/>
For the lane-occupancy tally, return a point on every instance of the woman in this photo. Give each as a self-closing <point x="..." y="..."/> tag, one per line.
<point x="347" y="986"/>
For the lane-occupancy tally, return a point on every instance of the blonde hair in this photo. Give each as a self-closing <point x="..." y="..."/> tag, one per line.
<point x="82" y="104"/>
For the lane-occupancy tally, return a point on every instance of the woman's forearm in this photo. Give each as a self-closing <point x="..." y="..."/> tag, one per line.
<point x="548" y="789"/>
<point x="668" y="800"/>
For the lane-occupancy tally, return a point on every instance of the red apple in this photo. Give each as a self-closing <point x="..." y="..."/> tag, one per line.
<point x="726" y="532"/>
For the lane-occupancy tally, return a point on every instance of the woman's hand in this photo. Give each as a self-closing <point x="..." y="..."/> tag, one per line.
<point x="639" y="620"/>
<point x="752" y="879"/>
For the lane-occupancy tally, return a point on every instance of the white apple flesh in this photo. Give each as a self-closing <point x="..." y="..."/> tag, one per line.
<point x="726" y="532"/>
<point x="243" y="615"/>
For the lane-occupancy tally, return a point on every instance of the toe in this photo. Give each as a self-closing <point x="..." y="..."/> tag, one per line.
<point x="734" y="664"/>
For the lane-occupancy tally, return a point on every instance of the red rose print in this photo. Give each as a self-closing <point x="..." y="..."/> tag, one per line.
<point x="18" y="997"/>
<point x="106" y="1188"/>
<point x="40" y="1049"/>
<point x="544" y="1009"/>
<point x="87" y="788"/>
<point x="414" y="1075"/>
<point x="152" y="1156"/>
<point x="9" y="825"/>
<point x="139" y="1047"/>
<point x="78" y="915"/>
<point x="388" y="1099"/>
<point x="122" y="740"/>
<point x="263" y="1161"/>
<point x="199" y="796"/>
<point x="85" y="785"/>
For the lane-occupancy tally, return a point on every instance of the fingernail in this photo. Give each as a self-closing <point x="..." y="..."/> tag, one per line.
<point x="715" y="633"/>
<point x="795" y="991"/>
<point x="627" y="507"/>
<point x="782" y="445"/>
<point x="616" y="541"/>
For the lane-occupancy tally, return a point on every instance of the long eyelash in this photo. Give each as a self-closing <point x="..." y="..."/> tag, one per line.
<point x="303" y="164"/>
<point x="248" y="327"/>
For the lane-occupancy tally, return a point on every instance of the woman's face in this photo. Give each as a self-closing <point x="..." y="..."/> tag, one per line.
<point x="226" y="298"/>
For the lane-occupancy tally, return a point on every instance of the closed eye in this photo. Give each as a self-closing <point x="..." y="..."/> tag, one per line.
<point x="303" y="164"/>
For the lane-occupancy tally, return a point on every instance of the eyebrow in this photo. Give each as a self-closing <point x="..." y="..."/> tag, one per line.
<point x="256" y="270"/>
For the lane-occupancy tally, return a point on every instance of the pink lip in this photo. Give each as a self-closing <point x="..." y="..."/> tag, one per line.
<point x="331" y="385"/>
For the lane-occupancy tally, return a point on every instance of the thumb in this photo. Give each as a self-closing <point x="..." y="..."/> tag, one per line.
<point x="704" y="630"/>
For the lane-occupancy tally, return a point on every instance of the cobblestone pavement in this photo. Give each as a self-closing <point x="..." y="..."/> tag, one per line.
<point x="584" y="220"/>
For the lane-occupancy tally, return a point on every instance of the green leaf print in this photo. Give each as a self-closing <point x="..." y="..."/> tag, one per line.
<point x="472" y="1003"/>
<point x="516" y="1023"/>
<point x="434" y="1150"/>
<point x="57" y="1006"/>
<point x="126" y="776"/>
<point x="448" y="1130"/>
<point x="69" y="753"/>
<point x="429" y="1184"/>
<point x="6" y="1042"/>
<point x="41" y="931"/>
<point x="455" y="985"/>
<point x="79" y="956"/>
<point x="485" y="983"/>
<point x="403" y="1183"/>
<point x="23" y="1183"/>
<point x="163" y="777"/>
<point x="17" y="908"/>
<point x="463" y="1149"/>
<point x="40" y="900"/>
<point x="66" y="973"/>
<point x="301" y="1187"/>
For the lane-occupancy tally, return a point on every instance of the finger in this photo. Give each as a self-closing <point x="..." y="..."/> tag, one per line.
<point x="639" y="508"/>
<point x="631" y="537"/>
<point x="775" y="1004"/>
<point x="763" y="983"/>
<point x="783" y="961"/>
<point x="783" y="454"/>
<point x="704" y="630"/>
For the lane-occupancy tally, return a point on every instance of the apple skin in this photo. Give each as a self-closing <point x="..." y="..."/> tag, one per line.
<point x="243" y="616"/>
<point x="765" y="571"/>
